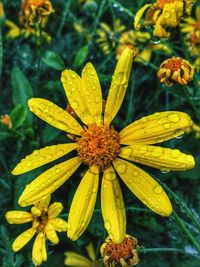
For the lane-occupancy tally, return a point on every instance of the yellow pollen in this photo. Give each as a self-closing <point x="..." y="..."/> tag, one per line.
<point x="174" y="64"/>
<point x="99" y="145"/>
<point x="160" y="3"/>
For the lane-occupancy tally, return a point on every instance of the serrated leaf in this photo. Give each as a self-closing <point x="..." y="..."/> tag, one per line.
<point x="53" y="60"/>
<point x="81" y="56"/>
<point x="18" y="115"/>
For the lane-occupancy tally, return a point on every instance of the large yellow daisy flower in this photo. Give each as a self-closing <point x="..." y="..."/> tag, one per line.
<point x="105" y="150"/>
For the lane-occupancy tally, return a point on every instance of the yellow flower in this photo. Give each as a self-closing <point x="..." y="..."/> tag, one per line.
<point x="163" y="14"/>
<point x="175" y="69"/>
<point x="120" y="255"/>
<point x="74" y="259"/>
<point x="107" y="36"/>
<point x="35" y="12"/>
<point x="105" y="150"/>
<point x="6" y="120"/>
<point x="45" y="223"/>
<point x="141" y="42"/>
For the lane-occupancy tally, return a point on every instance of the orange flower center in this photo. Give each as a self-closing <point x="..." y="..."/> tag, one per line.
<point x="36" y="3"/>
<point x="197" y="25"/>
<point x="160" y="3"/>
<point x="99" y="145"/>
<point x="174" y="64"/>
<point x="115" y="252"/>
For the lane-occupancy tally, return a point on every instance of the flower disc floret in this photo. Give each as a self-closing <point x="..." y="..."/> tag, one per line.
<point x="99" y="145"/>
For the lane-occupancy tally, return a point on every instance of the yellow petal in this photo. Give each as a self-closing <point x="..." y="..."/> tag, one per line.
<point x="83" y="204"/>
<point x="76" y="260"/>
<point x="43" y="156"/>
<point x="144" y="187"/>
<point x="158" y="157"/>
<point x="51" y="233"/>
<point x="156" y="128"/>
<point x="18" y="217"/>
<point x="55" y="209"/>
<point x="91" y="252"/>
<point x="59" y="224"/>
<point x="73" y="87"/>
<point x="118" y="85"/>
<point x="39" y="249"/>
<point x="23" y="239"/>
<point x="112" y="204"/>
<point x="47" y="182"/>
<point x="43" y="203"/>
<point x="92" y="92"/>
<point x="54" y="115"/>
<point x="138" y="16"/>
<point x="36" y="212"/>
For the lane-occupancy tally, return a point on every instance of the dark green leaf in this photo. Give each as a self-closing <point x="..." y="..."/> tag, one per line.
<point x="18" y="115"/>
<point x="4" y="135"/>
<point x="81" y="56"/>
<point x="53" y="60"/>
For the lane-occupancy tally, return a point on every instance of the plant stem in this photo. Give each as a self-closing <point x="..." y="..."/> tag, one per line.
<point x="196" y="110"/>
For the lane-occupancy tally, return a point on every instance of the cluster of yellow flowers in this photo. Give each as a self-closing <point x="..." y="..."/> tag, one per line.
<point x="101" y="148"/>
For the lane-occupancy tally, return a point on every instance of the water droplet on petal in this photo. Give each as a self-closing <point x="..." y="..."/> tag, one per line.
<point x="173" y="117"/>
<point x="73" y="75"/>
<point x="110" y="176"/>
<point x="75" y="104"/>
<point x="107" y="225"/>
<point x="157" y="189"/>
<point x="121" y="168"/>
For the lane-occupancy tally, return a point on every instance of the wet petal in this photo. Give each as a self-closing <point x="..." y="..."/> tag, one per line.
<point x="139" y="15"/>
<point x="51" y="233"/>
<point x="92" y="92"/>
<point x="23" y="239"/>
<point x="43" y="203"/>
<point x="144" y="187"/>
<point x="54" y="115"/>
<point x="18" y="217"/>
<point x="39" y="249"/>
<point x="83" y="204"/>
<point x="55" y="209"/>
<point x="118" y="85"/>
<point x="73" y="87"/>
<point x="47" y="182"/>
<point x="156" y="128"/>
<point x="76" y="260"/>
<point x="112" y="204"/>
<point x="43" y="156"/>
<point x="59" y="224"/>
<point x="158" y="157"/>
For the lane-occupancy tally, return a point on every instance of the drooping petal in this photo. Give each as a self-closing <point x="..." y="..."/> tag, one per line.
<point x="23" y="239"/>
<point x="158" y="157"/>
<point x="54" y="115"/>
<point x="59" y="224"/>
<point x="156" y="128"/>
<point x="144" y="187"/>
<point x="118" y="85"/>
<point x="139" y="15"/>
<point x="43" y="156"/>
<point x="55" y="209"/>
<point x="47" y="182"/>
<point x="83" y="203"/>
<point x="73" y="87"/>
<point x="76" y="260"/>
<point x="51" y="233"/>
<point x="18" y="217"/>
<point x="39" y="249"/>
<point x="92" y="92"/>
<point x="112" y="204"/>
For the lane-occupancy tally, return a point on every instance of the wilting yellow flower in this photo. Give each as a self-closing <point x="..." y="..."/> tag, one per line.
<point x="74" y="259"/>
<point x="123" y="254"/>
<point x="163" y="14"/>
<point x="5" y="120"/>
<point x="102" y="148"/>
<point x="35" y="12"/>
<point x="45" y="223"/>
<point x="107" y="37"/>
<point x="175" y="69"/>
<point x="141" y="42"/>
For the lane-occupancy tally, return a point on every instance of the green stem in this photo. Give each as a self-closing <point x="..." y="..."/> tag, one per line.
<point x="1" y="52"/>
<point x="120" y="6"/>
<point x="186" y="231"/>
<point x="197" y="112"/>
<point x="131" y="97"/>
<point x="63" y="19"/>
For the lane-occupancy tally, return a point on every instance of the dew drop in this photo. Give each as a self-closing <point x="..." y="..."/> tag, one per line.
<point x="175" y="153"/>
<point x="173" y="117"/>
<point x="73" y="75"/>
<point x="122" y="167"/>
<point x="97" y="99"/>
<point x="110" y="176"/>
<point x="164" y="170"/>
<point x="75" y="104"/>
<point x="166" y="125"/>
<point x="157" y="189"/>
<point x="157" y="152"/>
<point x="107" y="225"/>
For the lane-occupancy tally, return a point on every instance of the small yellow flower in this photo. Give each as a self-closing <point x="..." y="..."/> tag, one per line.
<point x="103" y="149"/>
<point x="6" y="120"/>
<point x="141" y="42"/>
<point x="120" y="255"/>
<point x="45" y="223"/>
<point x="175" y="69"/>
<point x="74" y="259"/>
<point x="163" y="14"/>
<point x="107" y="37"/>
<point x="35" y="12"/>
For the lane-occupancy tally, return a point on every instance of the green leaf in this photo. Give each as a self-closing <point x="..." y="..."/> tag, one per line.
<point x="53" y="60"/>
<point x="4" y="135"/>
<point x="18" y="115"/>
<point x="81" y="56"/>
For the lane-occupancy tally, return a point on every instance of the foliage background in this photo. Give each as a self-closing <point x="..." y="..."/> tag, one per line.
<point x="29" y="70"/>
